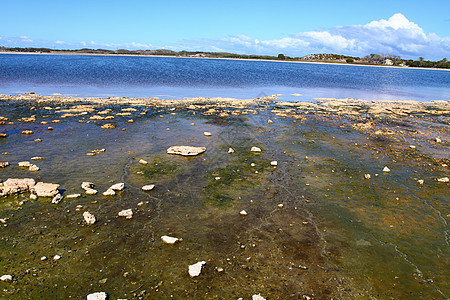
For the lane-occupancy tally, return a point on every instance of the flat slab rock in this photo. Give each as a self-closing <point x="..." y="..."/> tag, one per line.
<point x="186" y="150"/>
<point x="16" y="185"/>
<point x="43" y="189"/>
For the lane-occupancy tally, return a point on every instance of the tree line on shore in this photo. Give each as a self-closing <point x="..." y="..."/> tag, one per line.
<point x="371" y="59"/>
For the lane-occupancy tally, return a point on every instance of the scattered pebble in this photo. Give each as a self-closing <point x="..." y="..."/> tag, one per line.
<point x="230" y="150"/>
<point x="280" y="205"/>
<point x="255" y="149"/>
<point x="274" y="163"/>
<point x="412" y="146"/>
<point x="109" y="192"/>
<point x="196" y="269"/>
<point x="206" y="133"/>
<point x="386" y="169"/>
<point x="438" y="140"/>
<point x="143" y="162"/>
<point x="57" y="257"/>
<point x="420" y="181"/>
<point x="367" y="176"/>
<point x="258" y="297"/>
<point x="43" y="258"/>
<point x="73" y="196"/>
<point x="243" y="213"/>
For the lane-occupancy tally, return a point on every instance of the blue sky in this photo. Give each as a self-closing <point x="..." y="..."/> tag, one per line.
<point x="296" y="28"/>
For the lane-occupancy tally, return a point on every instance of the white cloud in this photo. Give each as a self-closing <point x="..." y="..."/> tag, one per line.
<point x="396" y="35"/>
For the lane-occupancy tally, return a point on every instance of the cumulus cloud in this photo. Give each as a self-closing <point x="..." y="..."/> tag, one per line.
<point x="396" y="35"/>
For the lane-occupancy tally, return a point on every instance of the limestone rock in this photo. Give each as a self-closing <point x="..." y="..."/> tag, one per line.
<point x="24" y="164"/>
<point x="443" y="179"/>
<point x="73" y="196"/>
<point x="109" y="192"/>
<point x="33" y="168"/>
<point x="97" y="296"/>
<point x="386" y="169"/>
<point x="108" y="126"/>
<point x="6" y="278"/>
<point x="118" y="186"/>
<point x="169" y="240"/>
<point x="87" y="185"/>
<point x="91" y="192"/>
<point x="57" y="199"/>
<point x="186" y="150"/>
<point x="258" y="297"/>
<point x="230" y="150"/>
<point x="255" y="149"/>
<point x="89" y="218"/>
<point x="367" y="176"/>
<point x="206" y="133"/>
<point x="274" y="163"/>
<point x="4" y="164"/>
<point x="27" y="132"/>
<point x="243" y="213"/>
<point x="143" y="162"/>
<point x="148" y="187"/>
<point x="43" y="189"/>
<point x="15" y="185"/>
<point x="127" y="213"/>
<point x="37" y="158"/>
<point x="196" y="269"/>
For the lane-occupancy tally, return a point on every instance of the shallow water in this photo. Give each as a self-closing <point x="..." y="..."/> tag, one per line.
<point x="337" y="235"/>
<point x="175" y="77"/>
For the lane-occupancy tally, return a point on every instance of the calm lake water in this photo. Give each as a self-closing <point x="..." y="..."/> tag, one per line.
<point x="163" y="77"/>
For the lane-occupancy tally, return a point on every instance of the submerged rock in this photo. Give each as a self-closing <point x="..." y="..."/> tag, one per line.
<point x="108" y="126"/>
<point x="97" y="296"/>
<point x="33" y="168"/>
<point x="186" y="150"/>
<point x="89" y="218"/>
<point x="127" y="213"/>
<point x="43" y="189"/>
<point x="196" y="269"/>
<point x="73" y="196"/>
<point x="24" y="164"/>
<point x="87" y="185"/>
<point x="91" y="191"/>
<point x="169" y="240"/>
<point x="4" y="164"/>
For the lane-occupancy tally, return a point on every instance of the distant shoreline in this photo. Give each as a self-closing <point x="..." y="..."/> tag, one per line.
<point x="225" y="58"/>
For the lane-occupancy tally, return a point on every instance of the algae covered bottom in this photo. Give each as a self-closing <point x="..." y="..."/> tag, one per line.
<point x="322" y="220"/>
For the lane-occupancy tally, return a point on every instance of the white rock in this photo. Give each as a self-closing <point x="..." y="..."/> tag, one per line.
<point x="367" y="176"/>
<point x="97" y="296"/>
<point x="33" y="197"/>
<point x="6" y="278"/>
<point x="37" y="158"/>
<point x="25" y="164"/>
<point x="57" y="199"/>
<point x="169" y="240"/>
<point x="443" y="179"/>
<point x="109" y="192"/>
<point x="438" y="140"/>
<point x="33" y="168"/>
<point x="196" y="269"/>
<point x="57" y="257"/>
<point x="258" y="297"/>
<point x="252" y="164"/>
<point x="143" y="162"/>
<point x="186" y="150"/>
<point x="118" y="186"/>
<point x="420" y="181"/>
<point x="73" y="196"/>
<point x="87" y="185"/>
<point x="274" y="163"/>
<point x="386" y="169"/>
<point x="230" y="150"/>
<point x="43" y="258"/>
<point x="280" y="205"/>
<point x="243" y="213"/>
<point x="91" y="191"/>
<point x="127" y="213"/>
<point x="89" y="218"/>
<point x="15" y="185"/>
<point x="255" y="149"/>
<point x="43" y="189"/>
<point x="269" y="121"/>
<point x="148" y="187"/>
<point x="4" y="164"/>
<point x="412" y="146"/>
<point x="206" y="133"/>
